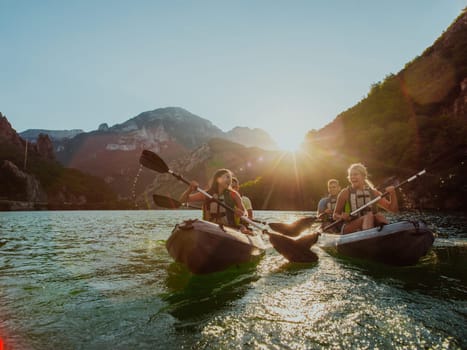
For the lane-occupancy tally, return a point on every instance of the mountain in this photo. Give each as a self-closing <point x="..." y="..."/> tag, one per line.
<point x="55" y="135"/>
<point x="412" y="120"/>
<point x="30" y="177"/>
<point x="112" y="153"/>
<point x="171" y="124"/>
<point x="251" y="138"/>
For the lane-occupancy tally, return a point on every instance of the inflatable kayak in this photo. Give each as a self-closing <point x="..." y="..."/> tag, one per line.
<point x="205" y="247"/>
<point x="401" y="243"/>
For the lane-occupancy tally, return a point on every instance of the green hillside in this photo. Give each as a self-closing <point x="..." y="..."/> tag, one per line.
<point x="411" y="120"/>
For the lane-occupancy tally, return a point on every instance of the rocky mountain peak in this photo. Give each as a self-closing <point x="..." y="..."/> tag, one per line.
<point x="103" y="127"/>
<point x="8" y="134"/>
<point x="44" y="147"/>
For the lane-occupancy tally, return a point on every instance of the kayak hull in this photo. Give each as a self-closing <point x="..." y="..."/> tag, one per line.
<point x="204" y="247"/>
<point x="401" y="243"/>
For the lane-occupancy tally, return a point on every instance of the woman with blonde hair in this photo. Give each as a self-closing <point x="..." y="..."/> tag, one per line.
<point x="357" y="194"/>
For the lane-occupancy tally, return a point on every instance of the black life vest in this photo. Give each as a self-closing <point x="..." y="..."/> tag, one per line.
<point x="331" y="203"/>
<point x="358" y="198"/>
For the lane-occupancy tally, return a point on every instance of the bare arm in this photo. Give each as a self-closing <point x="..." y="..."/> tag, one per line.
<point x="339" y="210"/>
<point x="240" y="209"/>
<point x="392" y="204"/>
<point x="248" y="206"/>
<point x="195" y="197"/>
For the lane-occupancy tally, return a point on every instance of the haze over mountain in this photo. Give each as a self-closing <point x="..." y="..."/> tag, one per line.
<point x="55" y="135"/>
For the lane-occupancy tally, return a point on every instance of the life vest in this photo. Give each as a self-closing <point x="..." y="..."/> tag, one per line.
<point x="218" y="214"/>
<point x="327" y="218"/>
<point x="331" y="203"/>
<point x="358" y="198"/>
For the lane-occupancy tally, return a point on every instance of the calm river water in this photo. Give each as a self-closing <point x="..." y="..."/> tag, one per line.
<point x="103" y="280"/>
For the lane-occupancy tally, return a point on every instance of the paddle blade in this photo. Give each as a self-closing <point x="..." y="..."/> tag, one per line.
<point x="308" y="240"/>
<point x="166" y="202"/>
<point x="152" y="161"/>
<point x="294" y="229"/>
<point x="294" y="250"/>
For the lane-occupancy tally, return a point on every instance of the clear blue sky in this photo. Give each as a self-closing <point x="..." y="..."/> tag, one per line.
<point x="284" y="66"/>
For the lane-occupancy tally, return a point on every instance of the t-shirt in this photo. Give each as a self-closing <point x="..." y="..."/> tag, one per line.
<point x="323" y="204"/>
<point x="247" y="203"/>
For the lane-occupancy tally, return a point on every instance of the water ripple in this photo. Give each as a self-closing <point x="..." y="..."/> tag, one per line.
<point x="104" y="280"/>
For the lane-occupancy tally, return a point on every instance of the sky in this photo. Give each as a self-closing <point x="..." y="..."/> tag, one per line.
<point x="284" y="66"/>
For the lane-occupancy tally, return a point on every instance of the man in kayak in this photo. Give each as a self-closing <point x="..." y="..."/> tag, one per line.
<point x="220" y="188"/>
<point x="245" y="200"/>
<point x="327" y="205"/>
<point x="360" y="192"/>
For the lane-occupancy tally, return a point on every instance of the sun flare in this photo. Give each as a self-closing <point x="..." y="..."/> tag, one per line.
<point x="290" y="145"/>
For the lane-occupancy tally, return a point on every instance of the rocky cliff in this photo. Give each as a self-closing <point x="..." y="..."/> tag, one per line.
<point x="8" y="134"/>
<point x="31" y="177"/>
<point x="18" y="185"/>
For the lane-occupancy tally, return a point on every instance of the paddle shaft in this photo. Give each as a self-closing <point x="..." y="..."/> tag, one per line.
<point x="243" y="218"/>
<point x="373" y="201"/>
<point x="167" y="202"/>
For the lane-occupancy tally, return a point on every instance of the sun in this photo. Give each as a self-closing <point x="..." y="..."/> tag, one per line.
<point x="290" y="145"/>
<point x="286" y="134"/>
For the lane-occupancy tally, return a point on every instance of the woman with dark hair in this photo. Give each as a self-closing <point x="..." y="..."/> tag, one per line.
<point x="220" y="188"/>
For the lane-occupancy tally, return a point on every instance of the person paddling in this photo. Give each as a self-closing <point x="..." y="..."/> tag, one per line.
<point x="220" y="188"/>
<point x="245" y="200"/>
<point x="357" y="194"/>
<point x="327" y="205"/>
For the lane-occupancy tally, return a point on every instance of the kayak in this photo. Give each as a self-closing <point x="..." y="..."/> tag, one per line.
<point x="205" y="247"/>
<point x="402" y="243"/>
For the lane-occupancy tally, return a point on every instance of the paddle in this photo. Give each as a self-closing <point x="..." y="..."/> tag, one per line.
<point x="376" y="199"/>
<point x="293" y="250"/>
<point x="170" y="203"/>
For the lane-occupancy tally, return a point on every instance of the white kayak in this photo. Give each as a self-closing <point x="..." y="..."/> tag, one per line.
<point x="401" y="243"/>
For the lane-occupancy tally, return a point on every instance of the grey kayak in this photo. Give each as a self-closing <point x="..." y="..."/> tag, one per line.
<point x="205" y="247"/>
<point x="401" y="243"/>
